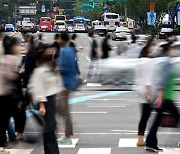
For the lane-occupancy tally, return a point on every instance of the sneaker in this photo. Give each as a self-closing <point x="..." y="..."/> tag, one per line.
<point x="153" y="149"/>
<point x="3" y="151"/>
<point x="65" y="141"/>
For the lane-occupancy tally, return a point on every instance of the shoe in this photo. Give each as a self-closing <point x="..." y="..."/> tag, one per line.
<point x="11" y="144"/>
<point x="65" y="141"/>
<point x="153" y="149"/>
<point x="20" y="136"/>
<point x="3" y="151"/>
<point x="140" y="143"/>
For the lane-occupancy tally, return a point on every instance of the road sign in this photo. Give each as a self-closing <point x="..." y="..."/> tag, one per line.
<point x="178" y="7"/>
<point x="178" y="16"/>
<point x="43" y="8"/>
<point x="151" y="18"/>
<point x="152" y="6"/>
<point x="105" y="11"/>
<point x="89" y="6"/>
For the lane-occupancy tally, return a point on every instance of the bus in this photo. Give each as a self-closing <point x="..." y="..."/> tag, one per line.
<point x="46" y="24"/>
<point x="110" y="21"/>
<point x="79" y="24"/>
<point x="59" y="18"/>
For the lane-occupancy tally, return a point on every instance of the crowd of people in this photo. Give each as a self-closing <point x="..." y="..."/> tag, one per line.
<point x="48" y="73"/>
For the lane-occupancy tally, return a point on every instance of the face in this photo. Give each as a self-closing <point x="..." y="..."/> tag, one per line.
<point x="62" y="42"/>
<point x="16" y="49"/>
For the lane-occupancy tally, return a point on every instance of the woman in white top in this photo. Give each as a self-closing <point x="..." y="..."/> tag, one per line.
<point x="43" y="86"/>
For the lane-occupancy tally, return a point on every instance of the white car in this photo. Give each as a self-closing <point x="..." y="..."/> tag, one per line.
<point x="70" y="28"/>
<point x="60" y="27"/>
<point x="120" y="32"/>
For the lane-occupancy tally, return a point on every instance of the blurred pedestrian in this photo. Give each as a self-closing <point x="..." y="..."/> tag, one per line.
<point x="95" y="54"/>
<point x="69" y="72"/>
<point x="43" y="87"/>
<point x="73" y="45"/>
<point x="1" y="44"/>
<point x="106" y="47"/>
<point x="122" y="45"/>
<point x="162" y="94"/>
<point x="10" y="94"/>
<point x="144" y="82"/>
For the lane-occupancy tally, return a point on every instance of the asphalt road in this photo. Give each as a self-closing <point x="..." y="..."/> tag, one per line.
<point x="105" y="122"/>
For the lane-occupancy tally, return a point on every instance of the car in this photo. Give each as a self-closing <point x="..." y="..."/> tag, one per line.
<point x="9" y="28"/>
<point x="120" y="32"/>
<point x="28" y="27"/>
<point x="60" y="26"/>
<point x="100" y="30"/>
<point x="163" y="33"/>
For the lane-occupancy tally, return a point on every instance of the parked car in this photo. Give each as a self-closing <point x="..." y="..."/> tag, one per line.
<point x="9" y="28"/>
<point x="120" y="32"/>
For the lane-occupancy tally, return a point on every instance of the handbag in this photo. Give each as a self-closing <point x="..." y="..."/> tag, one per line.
<point x="168" y="120"/>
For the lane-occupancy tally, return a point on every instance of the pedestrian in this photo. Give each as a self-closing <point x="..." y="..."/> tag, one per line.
<point x="144" y="82"/>
<point x="106" y="47"/>
<point x="73" y="45"/>
<point x="1" y="45"/>
<point x="94" y="55"/>
<point x="69" y="72"/>
<point x="43" y="87"/>
<point x="162" y="94"/>
<point x="9" y="92"/>
<point x="133" y="49"/>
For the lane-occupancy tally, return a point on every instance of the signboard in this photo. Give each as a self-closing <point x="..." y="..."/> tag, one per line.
<point x="178" y="16"/>
<point x="151" y="18"/>
<point x="89" y="6"/>
<point x="43" y="8"/>
<point x="178" y="7"/>
<point x="152" y="6"/>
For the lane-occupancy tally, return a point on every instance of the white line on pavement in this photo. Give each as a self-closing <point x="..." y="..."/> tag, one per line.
<point x="107" y="106"/>
<point x="89" y="112"/>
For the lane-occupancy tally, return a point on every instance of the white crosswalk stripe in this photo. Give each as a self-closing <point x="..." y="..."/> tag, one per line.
<point x="20" y="151"/>
<point x="94" y="151"/>
<point x="127" y="142"/>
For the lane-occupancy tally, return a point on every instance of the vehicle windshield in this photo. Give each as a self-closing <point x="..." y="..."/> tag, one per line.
<point x="80" y="21"/>
<point x="46" y="20"/>
<point x="9" y="26"/>
<point x="112" y="16"/>
<point x="60" y="17"/>
<point x="60" y="24"/>
<point x="69" y="23"/>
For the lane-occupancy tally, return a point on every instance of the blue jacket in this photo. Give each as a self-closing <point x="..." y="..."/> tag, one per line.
<point x="68" y="67"/>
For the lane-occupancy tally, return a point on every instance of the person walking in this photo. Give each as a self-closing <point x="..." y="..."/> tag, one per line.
<point x="106" y="47"/>
<point x="144" y="83"/>
<point x="162" y="93"/>
<point x="69" y="72"/>
<point x="9" y="92"/>
<point x="43" y="86"/>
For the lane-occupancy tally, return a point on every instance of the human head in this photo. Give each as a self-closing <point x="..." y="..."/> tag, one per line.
<point x="64" y="38"/>
<point x="74" y="36"/>
<point x="91" y="33"/>
<point x="134" y="38"/>
<point x="6" y="42"/>
<point x="108" y="37"/>
<point x="56" y="36"/>
<point x="15" y="46"/>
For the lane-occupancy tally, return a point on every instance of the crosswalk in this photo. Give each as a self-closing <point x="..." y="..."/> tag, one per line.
<point x="123" y="143"/>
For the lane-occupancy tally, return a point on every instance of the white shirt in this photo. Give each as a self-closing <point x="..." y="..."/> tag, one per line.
<point x="44" y="83"/>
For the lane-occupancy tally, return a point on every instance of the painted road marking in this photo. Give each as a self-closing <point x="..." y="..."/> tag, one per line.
<point x="94" y="84"/>
<point x="127" y="142"/>
<point x="20" y="151"/>
<point x="73" y="145"/>
<point x="89" y="112"/>
<point x="170" y="151"/>
<point x="107" y="106"/>
<point x="94" y="151"/>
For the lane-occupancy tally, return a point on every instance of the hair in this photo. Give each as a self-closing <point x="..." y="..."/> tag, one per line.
<point x="74" y="36"/>
<point x="64" y="36"/>
<point x="14" y="41"/>
<point x="134" y="38"/>
<point x="41" y="52"/>
<point x="6" y="42"/>
<point x="166" y="48"/>
<point x="145" y="51"/>
<point x="40" y="37"/>
<point x="91" y="33"/>
<point x="56" y="36"/>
